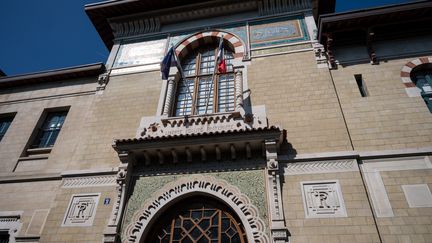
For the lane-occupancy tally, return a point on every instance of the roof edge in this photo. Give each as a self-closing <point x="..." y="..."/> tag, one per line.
<point x="85" y="70"/>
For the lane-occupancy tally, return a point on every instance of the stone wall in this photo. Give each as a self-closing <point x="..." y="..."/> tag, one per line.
<point x="56" y="231"/>
<point x="387" y="119"/>
<point x="409" y="223"/>
<point x="357" y="225"/>
<point x="301" y="99"/>
<point x="115" y="114"/>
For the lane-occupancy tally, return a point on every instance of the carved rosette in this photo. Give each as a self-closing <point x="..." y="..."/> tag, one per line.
<point x="227" y="193"/>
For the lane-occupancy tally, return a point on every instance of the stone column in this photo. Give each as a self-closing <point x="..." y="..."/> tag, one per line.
<point x="279" y="232"/>
<point x="169" y="97"/>
<point x="239" y="89"/>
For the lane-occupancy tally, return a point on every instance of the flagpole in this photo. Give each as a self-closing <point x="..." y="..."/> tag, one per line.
<point x="182" y="76"/>
<point x="212" y="80"/>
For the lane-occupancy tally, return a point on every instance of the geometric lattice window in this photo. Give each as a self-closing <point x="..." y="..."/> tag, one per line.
<point x="195" y="221"/>
<point x="202" y="90"/>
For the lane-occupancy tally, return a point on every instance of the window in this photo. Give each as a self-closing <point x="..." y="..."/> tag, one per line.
<point x="4" y="125"/>
<point x="422" y="77"/>
<point x="49" y="130"/>
<point x="4" y="237"/>
<point x="361" y="85"/>
<point x="203" y="90"/>
<point x="194" y="221"/>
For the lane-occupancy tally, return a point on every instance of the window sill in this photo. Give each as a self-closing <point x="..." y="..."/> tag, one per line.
<point x="37" y="151"/>
<point x="33" y="157"/>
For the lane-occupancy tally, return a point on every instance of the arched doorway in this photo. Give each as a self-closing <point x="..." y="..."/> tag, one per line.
<point x="197" y="220"/>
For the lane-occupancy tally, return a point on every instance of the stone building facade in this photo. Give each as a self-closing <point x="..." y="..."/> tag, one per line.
<point x="318" y="131"/>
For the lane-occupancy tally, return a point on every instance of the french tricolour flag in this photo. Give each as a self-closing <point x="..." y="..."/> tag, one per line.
<point x="220" y="58"/>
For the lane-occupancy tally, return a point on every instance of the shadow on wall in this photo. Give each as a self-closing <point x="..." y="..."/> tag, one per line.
<point x="286" y="148"/>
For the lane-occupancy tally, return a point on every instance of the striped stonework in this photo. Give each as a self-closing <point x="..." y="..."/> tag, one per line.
<point x="410" y="87"/>
<point x="207" y="37"/>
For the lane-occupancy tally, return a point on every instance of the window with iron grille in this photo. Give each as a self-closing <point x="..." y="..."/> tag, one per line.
<point x="422" y="77"/>
<point x="203" y="90"/>
<point x="197" y="220"/>
<point x="49" y="130"/>
<point x="4" y="125"/>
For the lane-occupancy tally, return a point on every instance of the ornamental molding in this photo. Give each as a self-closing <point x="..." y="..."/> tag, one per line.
<point x="410" y="87"/>
<point x="188" y="44"/>
<point x="135" y="27"/>
<point x="156" y="127"/>
<point x="300" y="168"/>
<point x="10" y="221"/>
<point x="191" y="185"/>
<point x="91" y="181"/>
<point x="268" y="7"/>
<point x="111" y="231"/>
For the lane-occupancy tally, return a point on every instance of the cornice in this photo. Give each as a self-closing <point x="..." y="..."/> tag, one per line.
<point x="81" y="71"/>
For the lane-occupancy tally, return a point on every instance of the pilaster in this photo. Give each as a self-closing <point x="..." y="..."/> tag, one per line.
<point x="279" y="232"/>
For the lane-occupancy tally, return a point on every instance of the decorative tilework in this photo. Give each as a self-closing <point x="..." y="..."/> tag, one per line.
<point x="277" y="31"/>
<point x="218" y="188"/>
<point x="249" y="182"/>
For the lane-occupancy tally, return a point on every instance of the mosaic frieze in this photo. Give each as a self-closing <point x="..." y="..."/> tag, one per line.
<point x="263" y="33"/>
<point x="270" y="32"/>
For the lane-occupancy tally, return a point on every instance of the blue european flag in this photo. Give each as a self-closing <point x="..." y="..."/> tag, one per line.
<point x="168" y="61"/>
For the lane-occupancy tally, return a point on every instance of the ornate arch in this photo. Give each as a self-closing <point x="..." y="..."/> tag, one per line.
<point x="192" y="185"/>
<point x="190" y="43"/>
<point x="408" y="67"/>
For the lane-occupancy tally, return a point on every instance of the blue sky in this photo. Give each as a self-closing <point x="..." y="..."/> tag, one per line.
<point x="39" y="35"/>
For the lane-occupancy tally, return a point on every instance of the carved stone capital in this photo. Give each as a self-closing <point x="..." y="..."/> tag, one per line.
<point x="102" y="81"/>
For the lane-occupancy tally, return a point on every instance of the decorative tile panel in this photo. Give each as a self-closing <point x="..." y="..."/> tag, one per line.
<point x="81" y="210"/>
<point x="323" y="199"/>
<point x="277" y="31"/>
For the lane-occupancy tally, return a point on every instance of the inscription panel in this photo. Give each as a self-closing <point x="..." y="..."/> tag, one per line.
<point x="141" y="53"/>
<point x="323" y="199"/>
<point x="81" y="210"/>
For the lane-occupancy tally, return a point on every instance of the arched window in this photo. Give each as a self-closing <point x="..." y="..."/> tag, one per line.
<point x="203" y="90"/>
<point x="198" y="220"/>
<point x="422" y="77"/>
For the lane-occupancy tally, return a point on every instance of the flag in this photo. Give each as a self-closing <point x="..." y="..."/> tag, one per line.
<point x="221" y="58"/>
<point x="167" y="62"/>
